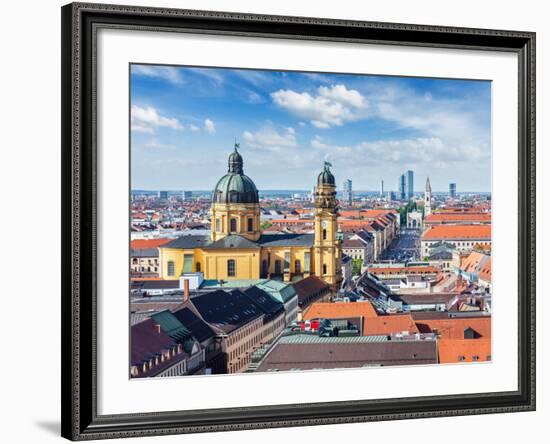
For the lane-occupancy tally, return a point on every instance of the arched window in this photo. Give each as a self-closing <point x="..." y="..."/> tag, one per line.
<point x="231" y="269"/>
<point x="233" y="225"/>
<point x="324" y="268"/>
<point x="297" y="266"/>
<point x="198" y="267"/>
<point x="277" y="266"/>
<point x="171" y="268"/>
<point x="324" y="234"/>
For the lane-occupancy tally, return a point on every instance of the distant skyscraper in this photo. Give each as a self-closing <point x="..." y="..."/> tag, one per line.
<point x="409" y="184"/>
<point x="428" y="198"/>
<point x="381" y="187"/>
<point x="347" y="192"/>
<point x="163" y="195"/>
<point x="401" y="187"/>
<point x="187" y="195"/>
<point x="452" y="190"/>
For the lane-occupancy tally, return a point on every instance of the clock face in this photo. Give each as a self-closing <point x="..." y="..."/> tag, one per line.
<point x="324" y="224"/>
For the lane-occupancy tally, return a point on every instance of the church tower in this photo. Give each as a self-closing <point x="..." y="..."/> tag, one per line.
<point x="428" y="198"/>
<point x="235" y="206"/>
<point x="326" y="248"/>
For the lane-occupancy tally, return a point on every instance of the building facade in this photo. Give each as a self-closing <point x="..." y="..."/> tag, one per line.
<point x="347" y="192"/>
<point x="409" y="178"/>
<point x="452" y="190"/>
<point x="236" y="247"/>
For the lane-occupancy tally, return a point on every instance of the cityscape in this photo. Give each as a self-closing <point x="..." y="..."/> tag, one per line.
<point x="324" y="266"/>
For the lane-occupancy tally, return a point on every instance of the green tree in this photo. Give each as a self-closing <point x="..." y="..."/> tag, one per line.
<point x="356" y="265"/>
<point x="265" y="225"/>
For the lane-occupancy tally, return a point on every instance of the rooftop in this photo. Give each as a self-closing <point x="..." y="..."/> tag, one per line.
<point x="346" y="353"/>
<point x="464" y="350"/>
<point x="458" y="232"/>
<point x="335" y="310"/>
<point x="143" y="244"/>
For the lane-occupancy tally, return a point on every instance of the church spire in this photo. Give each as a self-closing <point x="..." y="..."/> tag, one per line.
<point x="428" y="198"/>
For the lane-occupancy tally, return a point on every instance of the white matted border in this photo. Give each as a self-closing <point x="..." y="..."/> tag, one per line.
<point x="117" y="394"/>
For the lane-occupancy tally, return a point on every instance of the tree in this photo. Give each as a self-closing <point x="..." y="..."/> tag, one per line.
<point x="356" y="265"/>
<point x="265" y="225"/>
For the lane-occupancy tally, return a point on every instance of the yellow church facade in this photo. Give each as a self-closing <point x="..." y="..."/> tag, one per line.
<point x="236" y="247"/>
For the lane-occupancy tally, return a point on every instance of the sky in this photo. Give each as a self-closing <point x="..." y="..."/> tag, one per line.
<point x="185" y="121"/>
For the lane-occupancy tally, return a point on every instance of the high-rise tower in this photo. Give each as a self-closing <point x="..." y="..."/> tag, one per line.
<point x="347" y="193"/>
<point x="428" y="198"/>
<point x="452" y="190"/>
<point x="326" y="246"/>
<point x="409" y="179"/>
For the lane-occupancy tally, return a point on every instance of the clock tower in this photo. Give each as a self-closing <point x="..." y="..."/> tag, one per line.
<point x="327" y="252"/>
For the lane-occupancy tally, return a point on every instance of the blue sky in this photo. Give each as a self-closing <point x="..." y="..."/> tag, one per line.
<point x="185" y="120"/>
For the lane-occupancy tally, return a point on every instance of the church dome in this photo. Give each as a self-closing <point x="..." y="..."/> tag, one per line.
<point x="326" y="177"/>
<point x="235" y="186"/>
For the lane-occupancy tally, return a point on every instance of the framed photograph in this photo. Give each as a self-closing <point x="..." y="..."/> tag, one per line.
<point x="281" y="221"/>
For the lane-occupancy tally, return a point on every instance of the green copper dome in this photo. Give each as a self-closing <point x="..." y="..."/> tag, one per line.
<point x="235" y="186"/>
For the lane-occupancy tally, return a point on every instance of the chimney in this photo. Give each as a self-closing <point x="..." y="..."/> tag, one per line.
<point x="185" y="290"/>
<point x="157" y="328"/>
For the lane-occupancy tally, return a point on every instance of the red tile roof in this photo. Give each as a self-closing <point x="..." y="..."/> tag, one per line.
<point x="453" y="328"/>
<point x="457" y="217"/>
<point x="337" y="310"/>
<point x="140" y="244"/>
<point x="464" y="350"/>
<point x="372" y="323"/>
<point x="388" y="324"/>
<point x="403" y="270"/>
<point x="458" y="232"/>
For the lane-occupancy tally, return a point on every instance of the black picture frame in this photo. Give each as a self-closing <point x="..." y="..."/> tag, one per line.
<point x="80" y="22"/>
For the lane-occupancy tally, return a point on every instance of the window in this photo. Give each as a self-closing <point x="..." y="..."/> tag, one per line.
<point x="218" y="225"/>
<point x="324" y="234"/>
<point x="297" y="266"/>
<point x="170" y="268"/>
<point x="233" y="225"/>
<point x="324" y="268"/>
<point x="277" y="266"/>
<point x="307" y="261"/>
<point x="250" y="224"/>
<point x="287" y="262"/>
<point x="231" y="270"/>
<point x="198" y="267"/>
<point x="264" y="267"/>
<point x="187" y="263"/>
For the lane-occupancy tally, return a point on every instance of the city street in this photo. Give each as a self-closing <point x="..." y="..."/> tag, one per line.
<point x="404" y="248"/>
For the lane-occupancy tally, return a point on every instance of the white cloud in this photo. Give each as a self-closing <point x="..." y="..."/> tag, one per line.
<point x="269" y="138"/>
<point x="255" y="98"/>
<point x="193" y="128"/>
<point x="155" y="144"/>
<point x="339" y="93"/>
<point x="407" y="153"/>
<point x="138" y="128"/>
<point x="145" y="120"/>
<point x="209" y="126"/>
<point x="333" y="105"/>
<point x="169" y="73"/>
